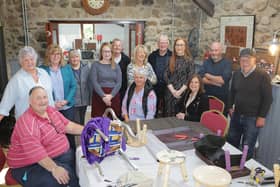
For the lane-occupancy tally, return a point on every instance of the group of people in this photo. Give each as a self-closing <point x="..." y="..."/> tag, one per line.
<point x="51" y="100"/>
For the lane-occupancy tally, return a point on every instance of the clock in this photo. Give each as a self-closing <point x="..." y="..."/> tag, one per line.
<point x="96" y="7"/>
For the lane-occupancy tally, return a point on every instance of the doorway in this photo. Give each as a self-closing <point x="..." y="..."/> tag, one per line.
<point x="87" y="36"/>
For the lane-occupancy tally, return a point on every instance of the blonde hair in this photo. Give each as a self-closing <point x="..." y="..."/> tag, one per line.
<point x="106" y="44"/>
<point x="53" y="48"/>
<point x="137" y="48"/>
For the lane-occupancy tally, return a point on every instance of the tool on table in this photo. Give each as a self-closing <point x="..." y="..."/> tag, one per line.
<point x="127" y="159"/>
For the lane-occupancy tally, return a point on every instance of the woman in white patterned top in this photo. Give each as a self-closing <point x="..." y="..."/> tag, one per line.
<point x="140" y="61"/>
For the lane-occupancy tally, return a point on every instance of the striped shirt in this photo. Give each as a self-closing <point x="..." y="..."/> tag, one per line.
<point x="35" y="138"/>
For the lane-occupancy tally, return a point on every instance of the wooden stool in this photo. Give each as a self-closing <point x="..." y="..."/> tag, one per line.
<point x="276" y="169"/>
<point x="211" y="176"/>
<point x="168" y="158"/>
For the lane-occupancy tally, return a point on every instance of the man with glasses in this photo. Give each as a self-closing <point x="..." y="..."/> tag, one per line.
<point x="216" y="73"/>
<point x="159" y="61"/>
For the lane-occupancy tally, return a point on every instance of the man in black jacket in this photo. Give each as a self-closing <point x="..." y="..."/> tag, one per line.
<point x="251" y="96"/>
<point x="159" y="61"/>
<point x="123" y="60"/>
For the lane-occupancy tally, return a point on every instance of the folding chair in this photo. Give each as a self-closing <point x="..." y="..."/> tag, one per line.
<point x="215" y="121"/>
<point x="216" y="104"/>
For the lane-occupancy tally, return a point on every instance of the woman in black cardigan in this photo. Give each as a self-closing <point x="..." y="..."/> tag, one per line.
<point x="194" y="101"/>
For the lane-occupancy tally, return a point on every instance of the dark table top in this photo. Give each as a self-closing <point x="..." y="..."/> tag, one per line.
<point x="170" y="122"/>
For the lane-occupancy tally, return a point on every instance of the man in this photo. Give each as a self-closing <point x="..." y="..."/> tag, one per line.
<point x="159" y="61"/>
<point x="216" y="73"/>
<point x="251" y="96"/>
<point x="39" y="153"/>
<point x="123" y="61"/>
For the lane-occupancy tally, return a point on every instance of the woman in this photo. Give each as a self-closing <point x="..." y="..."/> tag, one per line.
<point x="140" y="100"/>
<point x="106" y="80"/>
<point x="82" y="97"/>
<point x="64" y="84"/>
<point x="180" y="68"/>
<point x="140" y="61"/>
<point x="194" y="102"/>
<point x="16" y="91"/>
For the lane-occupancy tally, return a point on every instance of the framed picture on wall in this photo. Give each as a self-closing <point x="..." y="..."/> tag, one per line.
<point x="237" y="31"/>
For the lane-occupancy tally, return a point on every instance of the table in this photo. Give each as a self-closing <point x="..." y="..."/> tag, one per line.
<point x="269" y="135"/>
<point x="115" y="166"/>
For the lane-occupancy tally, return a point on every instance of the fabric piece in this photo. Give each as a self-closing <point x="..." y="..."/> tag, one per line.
<point x="103" y="124"/>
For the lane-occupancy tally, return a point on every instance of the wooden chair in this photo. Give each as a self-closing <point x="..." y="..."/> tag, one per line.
<point x="276" y="169"/>
<point x="4" y="171"/>
<point x="215" y="121"/>
<point x="216" y="104"/>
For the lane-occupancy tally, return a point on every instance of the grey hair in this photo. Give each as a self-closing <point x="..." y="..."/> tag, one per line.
<point x="74" y="53"/>
<point x="27" y="51"/>
<point x="141" y="71"/>
<point x="163" y="36"/>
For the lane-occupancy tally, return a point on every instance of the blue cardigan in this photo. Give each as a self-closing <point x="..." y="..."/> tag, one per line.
<point x="69" y="82"/>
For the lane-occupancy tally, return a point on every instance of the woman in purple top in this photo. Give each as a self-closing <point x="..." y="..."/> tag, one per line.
<point x="140" y="99"/>
<point x="105" y="78"/>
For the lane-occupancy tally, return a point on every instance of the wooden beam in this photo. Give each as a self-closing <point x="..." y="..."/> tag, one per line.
<point x="206" y="5"/>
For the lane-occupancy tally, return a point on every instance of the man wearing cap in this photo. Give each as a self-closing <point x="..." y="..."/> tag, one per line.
<point x="249" y="101"/>
<point x="216" y="73"/>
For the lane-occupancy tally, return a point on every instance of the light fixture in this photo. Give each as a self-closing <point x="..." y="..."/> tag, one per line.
<point x="274" y="46"/>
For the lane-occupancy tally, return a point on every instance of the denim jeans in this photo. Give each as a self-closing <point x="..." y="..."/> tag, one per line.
<point x="243" y="127"/>
<point x="37" y="176"/>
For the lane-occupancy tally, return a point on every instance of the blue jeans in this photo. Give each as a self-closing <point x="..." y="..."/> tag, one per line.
<point x="37" y="176"/>
<point x="245" y="127"/>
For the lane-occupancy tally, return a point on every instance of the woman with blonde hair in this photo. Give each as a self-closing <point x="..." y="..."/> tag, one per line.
<point x="105" y="78"/>
<point x="140" y="61"/>
<point x="179" y="70"/>
<point x="63" y="82"/>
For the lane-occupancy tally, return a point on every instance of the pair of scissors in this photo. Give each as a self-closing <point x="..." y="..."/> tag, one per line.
<point x="258" y="175"/>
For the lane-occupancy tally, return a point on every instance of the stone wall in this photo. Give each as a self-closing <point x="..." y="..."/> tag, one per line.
<point x="159" y="16"/>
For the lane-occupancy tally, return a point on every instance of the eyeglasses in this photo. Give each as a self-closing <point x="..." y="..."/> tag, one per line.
<point x="179" y="45"/>
<point x="55" y="54"/>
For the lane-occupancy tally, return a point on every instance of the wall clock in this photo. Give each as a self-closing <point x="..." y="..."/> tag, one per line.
<point x="96" y="7"/>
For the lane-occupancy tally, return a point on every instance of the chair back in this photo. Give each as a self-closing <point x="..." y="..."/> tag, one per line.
<point x="215" y="121"/>
<point x="2" y="159"/>
<point x="216" y="104"/>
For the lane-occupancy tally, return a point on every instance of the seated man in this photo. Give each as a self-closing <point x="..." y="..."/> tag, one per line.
<point x="39" y="153"/>
<point x="140" y="99"/>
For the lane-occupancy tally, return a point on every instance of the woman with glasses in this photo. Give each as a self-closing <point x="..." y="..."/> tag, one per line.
<point x="63" y="82"/>
<point x="180" y="68"/>
<point x="105" y="78"/>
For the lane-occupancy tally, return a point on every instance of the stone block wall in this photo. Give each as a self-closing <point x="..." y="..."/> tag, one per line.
<point x="175" y="19"/>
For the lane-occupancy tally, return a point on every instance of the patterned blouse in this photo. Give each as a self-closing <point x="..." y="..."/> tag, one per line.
<point x="135" y="106"/>
<point x="130" y="73"/>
